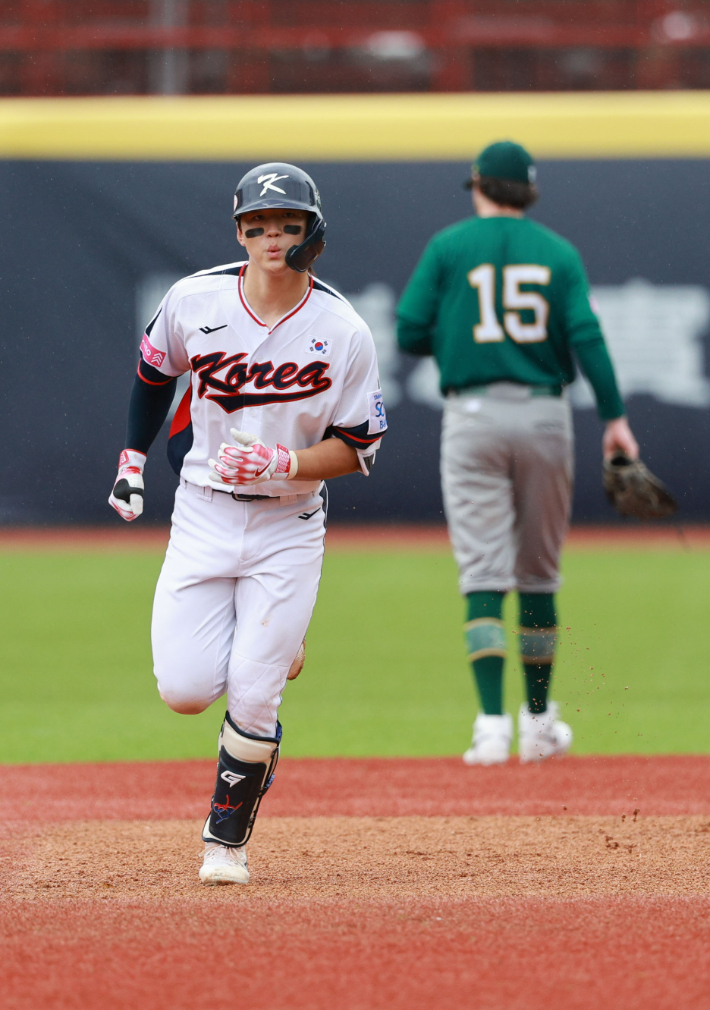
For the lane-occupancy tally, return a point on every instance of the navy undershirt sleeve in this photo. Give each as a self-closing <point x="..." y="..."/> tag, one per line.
<point x="148" y="407"/>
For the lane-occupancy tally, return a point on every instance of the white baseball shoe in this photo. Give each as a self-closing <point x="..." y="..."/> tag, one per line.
<point x="542" y="736"/>
<point x="224" y="865"/>
<point x="492" y="737"/>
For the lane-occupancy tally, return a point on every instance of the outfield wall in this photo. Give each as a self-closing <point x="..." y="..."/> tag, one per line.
<point x="108" y="202"/>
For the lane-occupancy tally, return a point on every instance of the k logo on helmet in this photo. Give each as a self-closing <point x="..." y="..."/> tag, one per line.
<point x="269" y="180"/>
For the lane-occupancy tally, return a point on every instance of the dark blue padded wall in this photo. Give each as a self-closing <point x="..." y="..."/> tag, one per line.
<point x="85" y="244"/>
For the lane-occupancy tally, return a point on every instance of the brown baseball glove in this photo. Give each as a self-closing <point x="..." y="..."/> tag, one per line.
<point x="634" y="491"/>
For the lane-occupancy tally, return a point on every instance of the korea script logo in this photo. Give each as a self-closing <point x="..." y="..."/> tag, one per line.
<point x="292" y="381"/>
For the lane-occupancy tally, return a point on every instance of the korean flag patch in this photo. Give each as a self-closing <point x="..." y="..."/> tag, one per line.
<point x="319" y="346"/>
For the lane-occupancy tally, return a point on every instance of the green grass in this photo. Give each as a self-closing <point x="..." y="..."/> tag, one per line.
<point x="386" y="672"/>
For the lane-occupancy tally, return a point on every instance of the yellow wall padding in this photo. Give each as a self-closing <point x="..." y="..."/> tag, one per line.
<point x="357" y="127"/>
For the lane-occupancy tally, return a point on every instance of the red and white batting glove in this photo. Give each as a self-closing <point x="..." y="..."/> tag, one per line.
<point x="127" y="494"/>
<point x="251" y="462"/>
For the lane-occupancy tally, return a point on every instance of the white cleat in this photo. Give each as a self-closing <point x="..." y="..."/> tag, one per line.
<point x="542" y="736"/>
<point x="224" y="865"/>
<point x="492" y="737"/>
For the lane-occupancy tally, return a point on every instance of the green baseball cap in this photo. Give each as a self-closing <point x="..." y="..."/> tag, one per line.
<point x="504" y="160"/>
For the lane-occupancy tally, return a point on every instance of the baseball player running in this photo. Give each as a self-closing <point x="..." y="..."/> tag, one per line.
<point x="503" y="304"/>
<point x="284" y="393"/>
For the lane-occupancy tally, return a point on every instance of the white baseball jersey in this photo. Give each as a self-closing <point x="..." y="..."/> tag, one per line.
<point x="311" y="375"/>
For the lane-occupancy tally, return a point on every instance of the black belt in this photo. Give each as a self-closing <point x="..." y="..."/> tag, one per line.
<point x="232" y="494"/>
<point x="248" y="497"/>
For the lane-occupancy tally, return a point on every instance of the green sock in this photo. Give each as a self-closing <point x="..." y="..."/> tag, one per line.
<point x="486" y="648"/>
<point x="538" y="640"/>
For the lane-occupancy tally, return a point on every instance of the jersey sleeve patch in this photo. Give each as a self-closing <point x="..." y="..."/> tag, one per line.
<point x="376" y="413"/>
<point x="151" y="354"/>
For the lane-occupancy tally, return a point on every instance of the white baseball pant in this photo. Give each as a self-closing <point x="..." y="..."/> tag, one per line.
<point x="233" y="601"/>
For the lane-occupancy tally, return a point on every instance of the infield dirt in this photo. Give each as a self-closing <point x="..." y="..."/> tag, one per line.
<point x="360" y="536"/>
<point x="431" y="891"/>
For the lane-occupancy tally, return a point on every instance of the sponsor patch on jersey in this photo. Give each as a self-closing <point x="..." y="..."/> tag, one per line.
<point x="151" y="354"/>
<point x="319" y="346"/>
<point x="376" y="412"/>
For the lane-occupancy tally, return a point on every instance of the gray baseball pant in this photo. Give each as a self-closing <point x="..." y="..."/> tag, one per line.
<point x="507" y="470"/>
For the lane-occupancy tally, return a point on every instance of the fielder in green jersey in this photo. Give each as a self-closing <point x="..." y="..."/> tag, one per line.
<point x="503" y="305"/>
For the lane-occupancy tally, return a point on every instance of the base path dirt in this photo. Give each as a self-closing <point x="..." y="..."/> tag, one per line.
<point x="354" y="537"/>
<point x="476" y="888"/>
<point x="384" y="787"/>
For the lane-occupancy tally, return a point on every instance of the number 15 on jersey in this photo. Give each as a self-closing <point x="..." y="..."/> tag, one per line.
<point x="489" y="329"/>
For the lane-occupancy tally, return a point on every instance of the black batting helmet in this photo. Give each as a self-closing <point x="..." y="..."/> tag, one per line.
<point x="277" y="186"/>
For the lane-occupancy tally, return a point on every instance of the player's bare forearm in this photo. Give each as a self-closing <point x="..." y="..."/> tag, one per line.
<point x="327" y="459"/>
<point x="618" y="437"/>
<point x="248" y="461"/>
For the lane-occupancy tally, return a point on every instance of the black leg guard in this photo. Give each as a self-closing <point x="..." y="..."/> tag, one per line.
<point x="245" y="770"/>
